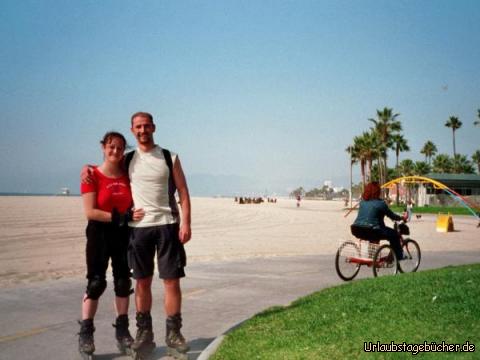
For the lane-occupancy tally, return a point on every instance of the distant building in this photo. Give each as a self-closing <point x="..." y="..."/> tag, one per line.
<point x="466" y="185"/>
<point x="65" y="191"/>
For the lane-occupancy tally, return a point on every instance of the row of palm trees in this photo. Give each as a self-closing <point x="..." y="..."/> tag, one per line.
<point x="370" y="150"/>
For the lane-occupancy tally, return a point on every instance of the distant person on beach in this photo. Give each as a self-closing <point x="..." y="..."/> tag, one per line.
<point x="299" y="198"/>
<point x="155" y="175"/>
<point x="409" y="209"/>
<point x="107" y="202"/>
<point x="370" y="217"/>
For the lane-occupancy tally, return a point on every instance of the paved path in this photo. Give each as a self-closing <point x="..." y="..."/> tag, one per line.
<point x="39" y="320"/>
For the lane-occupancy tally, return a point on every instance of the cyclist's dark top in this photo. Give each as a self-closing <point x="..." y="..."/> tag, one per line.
<point x="372" y="212"/>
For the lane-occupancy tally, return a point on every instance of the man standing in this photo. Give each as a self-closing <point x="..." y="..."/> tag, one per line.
<point x="155" y="174"/>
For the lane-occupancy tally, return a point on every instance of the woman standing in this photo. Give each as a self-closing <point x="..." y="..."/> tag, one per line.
<point x="107" y="202"/>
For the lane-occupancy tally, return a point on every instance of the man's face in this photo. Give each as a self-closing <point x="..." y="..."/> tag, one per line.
<point x="143" y="129"/>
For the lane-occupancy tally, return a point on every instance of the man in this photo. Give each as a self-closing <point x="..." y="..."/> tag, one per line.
<point x="154" y="175"/>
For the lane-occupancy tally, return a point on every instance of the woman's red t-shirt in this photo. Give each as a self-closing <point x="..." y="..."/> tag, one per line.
<point x="111" y="192"/>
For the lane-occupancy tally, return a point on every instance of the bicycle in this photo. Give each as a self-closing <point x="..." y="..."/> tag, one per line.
<point x="367" y="250"/>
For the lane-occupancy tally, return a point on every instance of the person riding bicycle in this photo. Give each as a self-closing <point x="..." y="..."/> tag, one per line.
<point x="369" y="223"/>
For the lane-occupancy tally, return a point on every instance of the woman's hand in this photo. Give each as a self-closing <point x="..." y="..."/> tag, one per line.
<point x="138" y="214"/>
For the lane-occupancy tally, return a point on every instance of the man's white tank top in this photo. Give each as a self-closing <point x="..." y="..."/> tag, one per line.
<point x="149" y="179"/>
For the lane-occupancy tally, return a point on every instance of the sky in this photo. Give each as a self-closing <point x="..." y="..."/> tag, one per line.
<point x="256" y="97"/>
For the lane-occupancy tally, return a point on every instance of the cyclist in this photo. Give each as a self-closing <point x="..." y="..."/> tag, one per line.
<point x="369" y="223"/>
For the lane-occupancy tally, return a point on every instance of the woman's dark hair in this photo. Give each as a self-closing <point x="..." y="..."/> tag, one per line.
<point x="372" y="191"/>
<point x="107" y="138"/>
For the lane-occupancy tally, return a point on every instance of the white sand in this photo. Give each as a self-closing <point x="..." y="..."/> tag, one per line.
<point x="43" y="237"/>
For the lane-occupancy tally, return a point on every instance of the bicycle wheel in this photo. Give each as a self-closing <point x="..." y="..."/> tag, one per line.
<point x="385" y="261"/>
<point x="412" y="251"/>
<point x="346" y="268"/>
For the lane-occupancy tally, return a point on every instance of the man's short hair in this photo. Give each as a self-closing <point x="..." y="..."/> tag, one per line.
<point x="142" y="114"/>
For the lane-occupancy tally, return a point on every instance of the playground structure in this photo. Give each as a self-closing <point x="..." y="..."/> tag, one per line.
<point x="444" y="222"/>
<point x="405" y="180"/>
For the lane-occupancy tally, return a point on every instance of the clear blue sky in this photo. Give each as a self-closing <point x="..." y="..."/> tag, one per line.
<point x="268" y="93"/>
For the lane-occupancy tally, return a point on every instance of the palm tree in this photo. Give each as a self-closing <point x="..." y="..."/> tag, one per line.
<point x="365" y="147"/>
<point x="461" y="165"/>
<point x="454" y="124"/>
<point x="407" y="168"/>
<point x="385" y="125"/>
<point x="399" y="145"/>
<point x="353" y="159"/>
<point x="421" y="168"/>
<point x="476" y="159"/>
<point x="442" y="163"/>
<point x="429" y="150"/>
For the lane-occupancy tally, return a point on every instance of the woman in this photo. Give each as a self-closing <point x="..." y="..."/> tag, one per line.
<point x="369" y="222"/>
<point x="107" y="202"/>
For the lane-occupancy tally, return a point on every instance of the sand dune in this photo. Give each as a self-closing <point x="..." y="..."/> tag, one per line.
<point x="43" y="237"/>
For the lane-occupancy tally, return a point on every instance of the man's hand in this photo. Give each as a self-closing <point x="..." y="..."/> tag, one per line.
<point x="185" y="233"/>
<point x="86" y="175"/>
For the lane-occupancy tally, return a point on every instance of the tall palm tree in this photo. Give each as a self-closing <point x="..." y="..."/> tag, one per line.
<point x="365" y="147"/>
<point x="429" y="150"/>
<point x="407" y="168"/>
<point x="442" y="163"/>
<point x="400" y="144"/>
<point x="476" y="159"/>
<point x="385" y="125"/>
<point x="357" y="153"/>
<point x="454" y="124"/>
<point x="353" y="159"/>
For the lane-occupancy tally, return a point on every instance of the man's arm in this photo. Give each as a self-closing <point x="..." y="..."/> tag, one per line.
<point x="86" y="174"/>
<point x="185" y="232"/>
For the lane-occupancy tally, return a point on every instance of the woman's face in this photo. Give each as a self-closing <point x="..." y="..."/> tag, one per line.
<point x="113" y="150"/>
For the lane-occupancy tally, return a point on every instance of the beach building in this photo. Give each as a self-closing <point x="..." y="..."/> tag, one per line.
<point x="466" y="185"/>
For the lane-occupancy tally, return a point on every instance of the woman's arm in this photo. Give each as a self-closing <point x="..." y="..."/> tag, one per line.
<point x="391" y="214"/>
<point x="91" y="212"/>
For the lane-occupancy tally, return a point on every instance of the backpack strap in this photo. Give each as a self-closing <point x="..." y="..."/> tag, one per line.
<point x="128" y="159"/>
<point x="168" y="160"/>
<point x="171" y="183"/>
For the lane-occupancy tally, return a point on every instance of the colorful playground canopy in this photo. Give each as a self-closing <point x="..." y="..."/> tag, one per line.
<point x="437" y="185"/>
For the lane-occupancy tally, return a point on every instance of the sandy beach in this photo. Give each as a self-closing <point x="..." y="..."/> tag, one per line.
<point x="43" y="238"/>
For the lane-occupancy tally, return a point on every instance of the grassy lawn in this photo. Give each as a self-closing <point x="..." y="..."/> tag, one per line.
<point x="432" y="306"/>
<point x="453" y="210"/>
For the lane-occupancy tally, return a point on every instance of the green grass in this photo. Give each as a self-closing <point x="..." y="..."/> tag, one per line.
<point x="453" y="210"/>
<point x="433" y="306"/>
